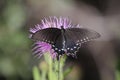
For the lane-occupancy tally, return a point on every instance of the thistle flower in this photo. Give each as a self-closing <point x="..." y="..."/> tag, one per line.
<point x="51" y="22"/>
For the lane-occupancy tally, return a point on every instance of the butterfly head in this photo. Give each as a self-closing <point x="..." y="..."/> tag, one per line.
<point x="62" y="27"/>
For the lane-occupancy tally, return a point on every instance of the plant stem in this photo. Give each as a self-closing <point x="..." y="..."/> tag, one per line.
<point x="59" y="68"/>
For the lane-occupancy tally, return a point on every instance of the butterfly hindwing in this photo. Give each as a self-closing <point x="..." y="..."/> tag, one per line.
<point x="72" y="46"/>
<point x="58" y="44"/>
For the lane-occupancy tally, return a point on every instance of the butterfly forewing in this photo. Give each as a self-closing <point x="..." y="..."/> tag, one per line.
<point x="46" y="35"/>
<point x="83" y="35"/>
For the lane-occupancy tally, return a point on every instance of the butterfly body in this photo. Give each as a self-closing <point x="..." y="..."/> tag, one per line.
<point x="65" y="40"/>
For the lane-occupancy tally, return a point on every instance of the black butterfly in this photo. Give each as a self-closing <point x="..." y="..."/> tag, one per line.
<point x="65" y="40"/>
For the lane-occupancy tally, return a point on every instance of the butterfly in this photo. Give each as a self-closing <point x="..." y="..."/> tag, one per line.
<point x="63" y="40"/>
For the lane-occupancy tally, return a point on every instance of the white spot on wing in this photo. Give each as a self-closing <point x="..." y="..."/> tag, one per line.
<point x="56" y="48"/>
<point x="68" y="48"/>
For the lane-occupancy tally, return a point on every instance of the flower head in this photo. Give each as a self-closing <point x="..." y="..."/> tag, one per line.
<point x="51" y="22"/>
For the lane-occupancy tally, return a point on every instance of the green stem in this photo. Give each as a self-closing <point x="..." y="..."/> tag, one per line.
<point x="43" y="75"/>
<point x="50" y="73"/>
<point x="59" y="68"/>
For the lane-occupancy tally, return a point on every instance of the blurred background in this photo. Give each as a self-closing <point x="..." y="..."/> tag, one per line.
<point x="99" y="60"/>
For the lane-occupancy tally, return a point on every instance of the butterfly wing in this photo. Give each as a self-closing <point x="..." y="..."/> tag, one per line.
<point x="48" y="35"/>
<point x="53" y="36"/>
<point x="76" y="36"/>
<point x="83" y="35"/>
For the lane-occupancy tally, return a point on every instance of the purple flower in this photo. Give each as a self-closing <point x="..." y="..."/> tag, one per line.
<point x="43" y="47"/>
<point x="51" y="22"/>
